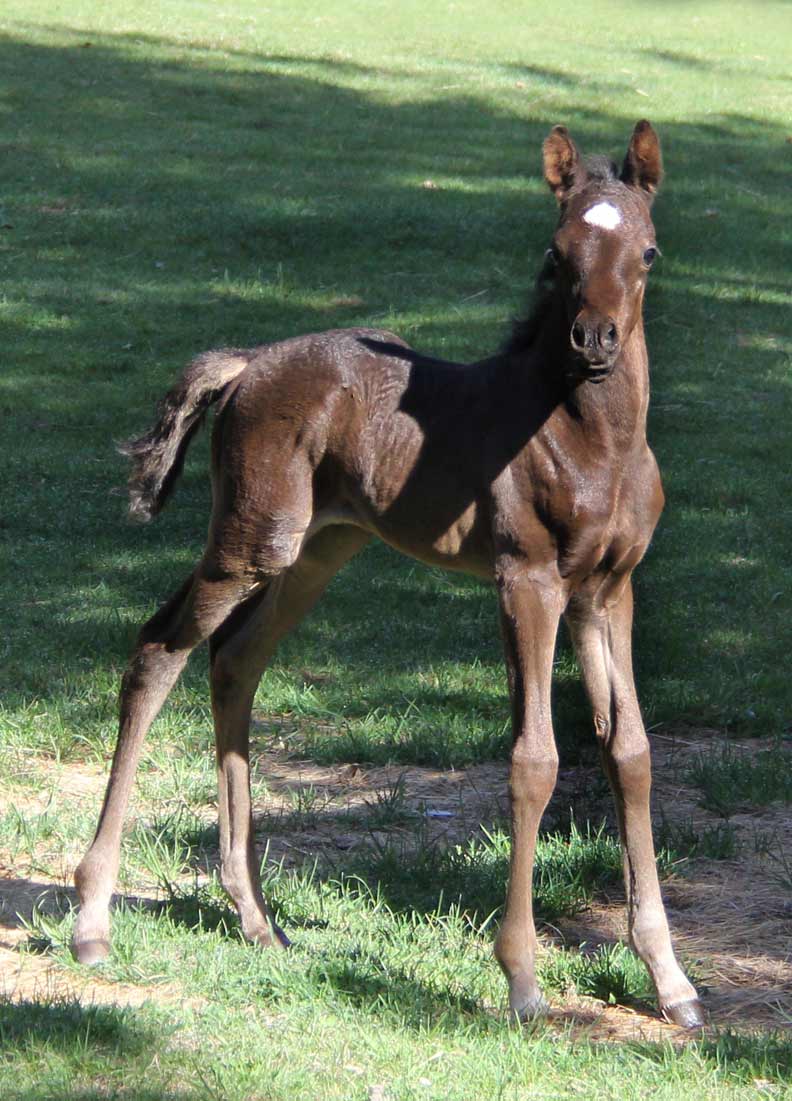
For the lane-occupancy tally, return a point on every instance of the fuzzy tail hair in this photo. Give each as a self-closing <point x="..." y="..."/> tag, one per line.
<point x="158" y="455"/>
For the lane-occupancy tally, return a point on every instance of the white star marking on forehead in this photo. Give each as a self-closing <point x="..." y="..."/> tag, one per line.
<point x="604" y="215"/>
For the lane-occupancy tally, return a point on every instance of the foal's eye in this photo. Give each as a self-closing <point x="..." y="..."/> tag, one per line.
<point x="649" y="256"/>
<point x="552" y="256"/>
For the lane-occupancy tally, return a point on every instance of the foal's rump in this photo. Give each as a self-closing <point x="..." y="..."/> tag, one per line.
<point x="297" y="442"/>
<point x="303" y="379"/>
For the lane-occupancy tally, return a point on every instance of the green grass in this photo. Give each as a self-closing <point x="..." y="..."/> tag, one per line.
<point x="385" y="995"/>
<point x="430" y="875"/>
<point x="713" y="842"/>
<point x="61" y="1046"/>
<point x="177" y="177"/>
<point x="730" y="778"/>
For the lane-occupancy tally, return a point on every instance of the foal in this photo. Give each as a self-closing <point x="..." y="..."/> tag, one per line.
<point x="530" y="468"/>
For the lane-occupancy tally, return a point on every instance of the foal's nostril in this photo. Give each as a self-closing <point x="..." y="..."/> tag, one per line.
<point x="579" y="335"/>
<point x="609" y="338"/>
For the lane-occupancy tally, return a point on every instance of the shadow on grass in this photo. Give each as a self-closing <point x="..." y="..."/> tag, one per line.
<point x="766" y="1055"/>
<point x="464" y="888"/>
<point x="164" y="203"/>
<point x="55" y="1041"/>
<point x="68" y="1025"/>
<point x="97" y="1041"/>
<point x="750" y="1058"/>
<point x="414" y="873"/>
<point x="416" y="1002"/>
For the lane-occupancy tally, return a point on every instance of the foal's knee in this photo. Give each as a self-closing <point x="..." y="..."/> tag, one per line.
<point x="534" y="771"/>
<point x="631" y="766"/>
<point x="151" y="666"/>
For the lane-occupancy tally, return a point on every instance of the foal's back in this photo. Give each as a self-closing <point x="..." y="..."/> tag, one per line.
<point x="353" y="427"/>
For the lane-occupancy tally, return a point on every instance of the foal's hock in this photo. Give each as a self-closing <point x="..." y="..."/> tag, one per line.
<point x="529" y="468"/>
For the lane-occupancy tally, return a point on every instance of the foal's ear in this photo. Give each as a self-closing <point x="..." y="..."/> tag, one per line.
<point x="643" y="165"/>
<point x="562" y="165"/>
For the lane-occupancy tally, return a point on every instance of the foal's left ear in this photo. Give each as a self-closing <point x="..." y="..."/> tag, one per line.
<point x="643" y="165"/>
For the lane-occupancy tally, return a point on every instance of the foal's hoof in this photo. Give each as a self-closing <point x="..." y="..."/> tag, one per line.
<point x="531" y="1010"/>
<point x="689" y="1015"/>
<point x="268" y="936"/>
<point x="280" y="936"/>
<point x="91" y="952"/>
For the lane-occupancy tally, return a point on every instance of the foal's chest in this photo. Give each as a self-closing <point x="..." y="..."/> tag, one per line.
<point x="598" y="516"/>
<point x="615" y="543"/>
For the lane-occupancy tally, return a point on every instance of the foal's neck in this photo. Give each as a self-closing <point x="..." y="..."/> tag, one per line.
<point x="616" y="408"/>
<point x="611" y="412"/>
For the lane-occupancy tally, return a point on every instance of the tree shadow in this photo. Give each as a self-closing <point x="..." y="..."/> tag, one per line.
<point x="173" y="204"/>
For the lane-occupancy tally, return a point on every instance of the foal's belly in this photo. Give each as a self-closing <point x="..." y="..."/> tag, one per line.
<point x="463" y="545"/>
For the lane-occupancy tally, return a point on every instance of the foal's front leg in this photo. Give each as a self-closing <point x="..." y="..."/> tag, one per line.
<point x="529" y="615"/>
<point x="603" y="640"/>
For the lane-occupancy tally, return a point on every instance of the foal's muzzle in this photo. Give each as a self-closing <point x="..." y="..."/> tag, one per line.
<point x="595" y="341"/>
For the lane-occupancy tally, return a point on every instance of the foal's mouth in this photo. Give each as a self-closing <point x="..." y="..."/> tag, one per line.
<point x="597" y="372"/>
<point x="588" y="370"/>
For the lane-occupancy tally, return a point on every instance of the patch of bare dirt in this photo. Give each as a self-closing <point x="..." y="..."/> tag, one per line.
<point x="731" y="917"/>
<point x="27" y="977"/>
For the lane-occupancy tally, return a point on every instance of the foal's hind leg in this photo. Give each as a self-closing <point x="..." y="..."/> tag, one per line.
<point x="164" y="644"/>
<point x="239" y="652"/>
<point x="603" y="640"/>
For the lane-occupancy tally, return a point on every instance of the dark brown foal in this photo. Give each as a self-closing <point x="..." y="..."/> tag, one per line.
<point x="530" y="468"/>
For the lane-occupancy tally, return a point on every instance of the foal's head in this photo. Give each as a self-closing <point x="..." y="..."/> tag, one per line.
<point x="604" y="244"/>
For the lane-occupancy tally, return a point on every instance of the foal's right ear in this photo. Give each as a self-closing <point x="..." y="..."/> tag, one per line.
<point x="562" y="165"/>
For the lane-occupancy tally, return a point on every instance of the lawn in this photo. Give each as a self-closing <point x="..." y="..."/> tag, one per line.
<point x="182" y="176"/>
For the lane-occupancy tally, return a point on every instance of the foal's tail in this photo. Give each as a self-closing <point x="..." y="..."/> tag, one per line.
<point x="158" y="456"/>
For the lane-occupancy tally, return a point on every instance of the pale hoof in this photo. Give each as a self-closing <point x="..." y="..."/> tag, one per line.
<point x="91" y="952"/>
<point x="689" y="1015"/>
<point x="535" y="1007"/>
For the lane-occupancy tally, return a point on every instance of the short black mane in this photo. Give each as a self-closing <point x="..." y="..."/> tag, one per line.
<point x="602" y="169"/>
<point x="525" y="330"/>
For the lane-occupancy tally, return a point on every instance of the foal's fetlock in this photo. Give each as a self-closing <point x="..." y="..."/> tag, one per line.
<point x="265" y="934"/>
<point x="260" y="928"/>
<point x="91" y="936"/>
